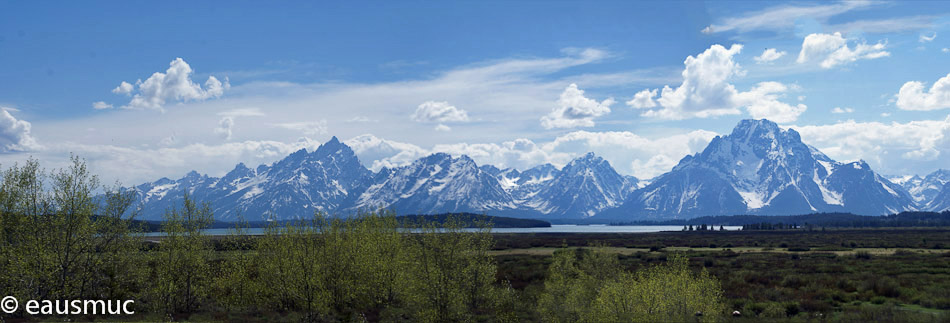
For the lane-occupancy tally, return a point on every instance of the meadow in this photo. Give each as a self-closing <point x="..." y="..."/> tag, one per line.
<point x="854" y="275"/>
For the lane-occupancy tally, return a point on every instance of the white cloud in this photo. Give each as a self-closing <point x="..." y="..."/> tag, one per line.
<point x="309" y="128"/>
<point x="833" y="49"/>
<point x="134" y="165"/>
<point x="15" y="134"/>
<point x="643" y="99"/>
<point x="99" y="105"/>
<point x="893" y="148"/>
<point x="926" y="39"/>
<point x="888" y="25"/>
<point x="626" y="151"/>
<point x="508" y="94"/>
<point x="706" y="92"/>
<point x="167" y="141"/>
<point x="433" y="111"/>
<point x="224" y="127"/>
<point x="762" y="102"/>
<point x="442" y="127"/>
<point x="175" y="85"/>
<point x="123" y="88"/>
<point x="885" y="114"/>
<point x="376" y="153"/>
<point x="243" y="112"/>
<point x="913" y="96"/>
<point x="945" y="50"/>
<point x="840" y="110"/>
<point x="769" y="55"/>
<point x="782" y="17"/>
<point x="575" y="110"/>
<point x="361" y="119"/>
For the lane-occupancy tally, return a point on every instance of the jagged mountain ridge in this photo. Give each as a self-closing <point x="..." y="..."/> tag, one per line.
<point x="925" y="190"/>
<point x="760" y="168"/>
<point x="331" y="180"/>
<point x="757" y="169"/>
<point x="296" y="186"/>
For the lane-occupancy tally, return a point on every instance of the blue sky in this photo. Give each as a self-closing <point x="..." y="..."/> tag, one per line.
<point x="509" y="83"/>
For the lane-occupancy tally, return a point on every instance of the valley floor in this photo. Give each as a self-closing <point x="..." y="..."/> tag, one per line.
<point x="854" y="275"/>
<point x="879" y="275"/>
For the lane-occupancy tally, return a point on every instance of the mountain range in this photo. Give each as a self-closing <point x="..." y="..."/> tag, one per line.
<point x="759" y="168"/>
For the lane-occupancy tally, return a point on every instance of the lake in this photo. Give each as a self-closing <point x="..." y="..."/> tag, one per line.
<point x="557" y="228"/>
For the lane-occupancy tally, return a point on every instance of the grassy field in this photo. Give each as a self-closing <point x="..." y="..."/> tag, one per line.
<point x="837" y="275"/>
<point x="840" y="275"/>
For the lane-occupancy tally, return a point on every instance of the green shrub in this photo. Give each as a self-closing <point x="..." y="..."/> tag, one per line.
<point x="774" y="310"/>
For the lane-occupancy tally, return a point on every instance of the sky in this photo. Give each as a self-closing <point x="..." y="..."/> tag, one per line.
<point x="148" y="90"/>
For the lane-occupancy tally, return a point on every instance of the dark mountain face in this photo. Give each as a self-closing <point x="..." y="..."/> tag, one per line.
<point x="760" y="168"/>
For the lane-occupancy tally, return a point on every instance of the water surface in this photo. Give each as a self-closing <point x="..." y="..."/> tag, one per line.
<point x="557" y="228"/>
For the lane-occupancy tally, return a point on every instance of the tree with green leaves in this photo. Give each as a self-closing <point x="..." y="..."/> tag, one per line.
<point x="180" y="276"/>
<point x="669" y="292"/>
<point x="67" y="240"/>
<point x="574" y="279"/>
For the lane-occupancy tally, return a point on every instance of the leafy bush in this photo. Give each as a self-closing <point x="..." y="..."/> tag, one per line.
<point x="590" y="287"/>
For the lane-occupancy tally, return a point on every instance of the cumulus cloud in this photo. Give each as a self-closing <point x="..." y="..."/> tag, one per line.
<point x="442" y="127"/>
<point x="175" y="85"/>
<point x="224" y="127"/>
<point x="15" y="134"/>
<point x="706" y="92"/>
<point x="926" y="39"/>
<point x="762" y="102"/>
<point x="123" y="88"/>
<point x="832" y="49"/>
<point x="433" y="111"/>
<point x="840" y="110"/>
<point x="310" y="128"/>
<point x="769" y="55"/>
<point x="643" y="99"/>
<point x="575" y="110"/>
<point x="895" y="148"/>
<point x="99" y="105"/>
<point x="914" y="96"/>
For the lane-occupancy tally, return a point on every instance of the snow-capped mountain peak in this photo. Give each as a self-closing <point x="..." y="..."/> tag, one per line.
<point x="761" y="168"/>
<point x="758" y="168"/>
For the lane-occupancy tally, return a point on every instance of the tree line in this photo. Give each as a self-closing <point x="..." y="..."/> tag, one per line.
<point x="64" y="236"/>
